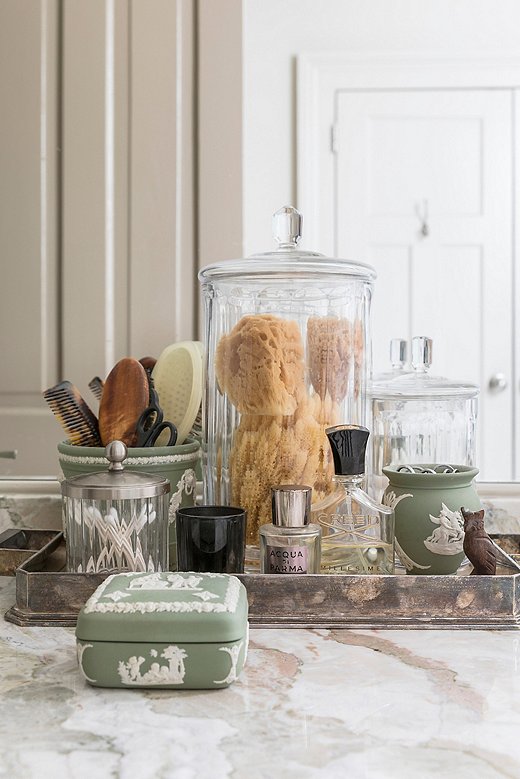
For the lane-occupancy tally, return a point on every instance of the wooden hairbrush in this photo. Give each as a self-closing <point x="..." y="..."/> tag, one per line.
<point x="73" y="414"/>
<point x="126" y="394"/>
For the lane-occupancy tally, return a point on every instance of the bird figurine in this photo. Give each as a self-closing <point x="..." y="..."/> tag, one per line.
<point x="478" y="547"/>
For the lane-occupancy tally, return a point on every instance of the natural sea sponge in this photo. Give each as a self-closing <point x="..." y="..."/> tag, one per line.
<point x="271" y="450"/>
<point x="329" y="350"/>
<point x="358" y="342"/>
<point x="260" y="366"/>
<point x="281" y="438"/>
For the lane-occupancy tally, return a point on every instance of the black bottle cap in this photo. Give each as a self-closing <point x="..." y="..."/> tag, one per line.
<point x="348" y="444"/>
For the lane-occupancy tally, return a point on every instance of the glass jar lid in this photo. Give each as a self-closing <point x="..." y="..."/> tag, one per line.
<point x="115" y="483"/>
<point x="287" y="261"/>
<point x="418" y="384"/>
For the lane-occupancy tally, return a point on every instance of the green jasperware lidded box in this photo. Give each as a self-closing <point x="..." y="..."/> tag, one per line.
<point x="164" y="630"/>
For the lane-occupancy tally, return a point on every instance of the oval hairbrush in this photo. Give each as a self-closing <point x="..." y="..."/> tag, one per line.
<point x="178" y="379"/>
<point x="125" y="396"/>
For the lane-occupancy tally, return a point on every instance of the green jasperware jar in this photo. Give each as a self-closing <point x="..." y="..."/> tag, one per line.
<point x="429" y="527"/>
<point x="164" y="630"/>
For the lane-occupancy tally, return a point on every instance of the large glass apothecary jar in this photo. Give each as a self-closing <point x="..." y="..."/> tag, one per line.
<point x="287" y="355"/>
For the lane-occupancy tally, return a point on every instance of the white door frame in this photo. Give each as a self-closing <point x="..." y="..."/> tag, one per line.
<point x="321" y="76"/>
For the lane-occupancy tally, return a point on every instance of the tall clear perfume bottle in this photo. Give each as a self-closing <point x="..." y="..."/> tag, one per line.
<point x="357" y="532"/>
<point x="291" y="544"/>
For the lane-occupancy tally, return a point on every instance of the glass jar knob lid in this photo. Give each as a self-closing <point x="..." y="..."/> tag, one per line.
<point x="287" y="227"/>
<point x="422" y="348"/>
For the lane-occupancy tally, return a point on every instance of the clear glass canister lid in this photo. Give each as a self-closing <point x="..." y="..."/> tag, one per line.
<point x="418" y="383"/>
<point x="115" y="483"/>
<point x="287" y="260"/>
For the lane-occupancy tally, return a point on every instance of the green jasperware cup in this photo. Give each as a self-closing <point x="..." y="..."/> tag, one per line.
<point x="178" y="464"/>
<point x="429" y="527"/>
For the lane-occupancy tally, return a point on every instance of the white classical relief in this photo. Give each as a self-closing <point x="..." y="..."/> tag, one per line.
<point x="234" y="654"/>
<point x="203" y="601"/>
<point x="448" y="538"/>
<point x="172" y="672"/>
<point x="391" y="500"/>
<point x="171" y="582"/>
<point x="407" y="561"/>
<point x="80" y="650"/>
<point x="117" y="595"/>
<point x="186" y="484"/>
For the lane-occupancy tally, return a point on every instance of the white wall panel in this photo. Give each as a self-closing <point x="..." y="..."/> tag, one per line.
<point x="29" y="256"/>
<point x="97" y="215"/>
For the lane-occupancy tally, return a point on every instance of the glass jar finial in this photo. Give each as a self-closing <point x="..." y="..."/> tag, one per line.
<point x="422" y="348"/>
<point x="287" y="227"/>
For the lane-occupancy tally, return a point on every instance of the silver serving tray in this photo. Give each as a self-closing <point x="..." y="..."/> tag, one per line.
<point x="35" y="540"/>
<point x="54" y="597"/>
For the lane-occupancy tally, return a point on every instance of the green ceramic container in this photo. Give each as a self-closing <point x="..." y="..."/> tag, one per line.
<point x="429" y="528"/>
<point x="178" y="464"/>
<point x="164" y="630"/>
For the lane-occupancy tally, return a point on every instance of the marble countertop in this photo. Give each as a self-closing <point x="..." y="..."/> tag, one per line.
<point x="310" y="703"/>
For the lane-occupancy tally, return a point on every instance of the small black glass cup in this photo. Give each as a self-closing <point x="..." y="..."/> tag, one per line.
<point x="211" y="539"/>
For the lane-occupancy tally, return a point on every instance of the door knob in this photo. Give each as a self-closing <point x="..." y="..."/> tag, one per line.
<point x="497" y="383"/>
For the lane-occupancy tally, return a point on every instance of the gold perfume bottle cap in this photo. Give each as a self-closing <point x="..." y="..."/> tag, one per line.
<point x="291" y="505"/>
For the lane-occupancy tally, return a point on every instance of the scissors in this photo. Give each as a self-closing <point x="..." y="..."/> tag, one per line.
<point x="150" y="424"/>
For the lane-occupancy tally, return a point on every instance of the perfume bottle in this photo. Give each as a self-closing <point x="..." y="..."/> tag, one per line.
<point x="357" y="532"/>
<point x="291" y="544"/>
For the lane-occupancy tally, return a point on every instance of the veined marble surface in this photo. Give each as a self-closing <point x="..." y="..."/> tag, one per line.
<point x="310" y="703"/>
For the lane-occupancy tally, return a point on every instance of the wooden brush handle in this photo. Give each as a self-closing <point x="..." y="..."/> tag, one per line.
<point x="125" y="396"/>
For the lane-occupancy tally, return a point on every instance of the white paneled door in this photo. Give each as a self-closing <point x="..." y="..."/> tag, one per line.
<point x="424" y="192"/>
